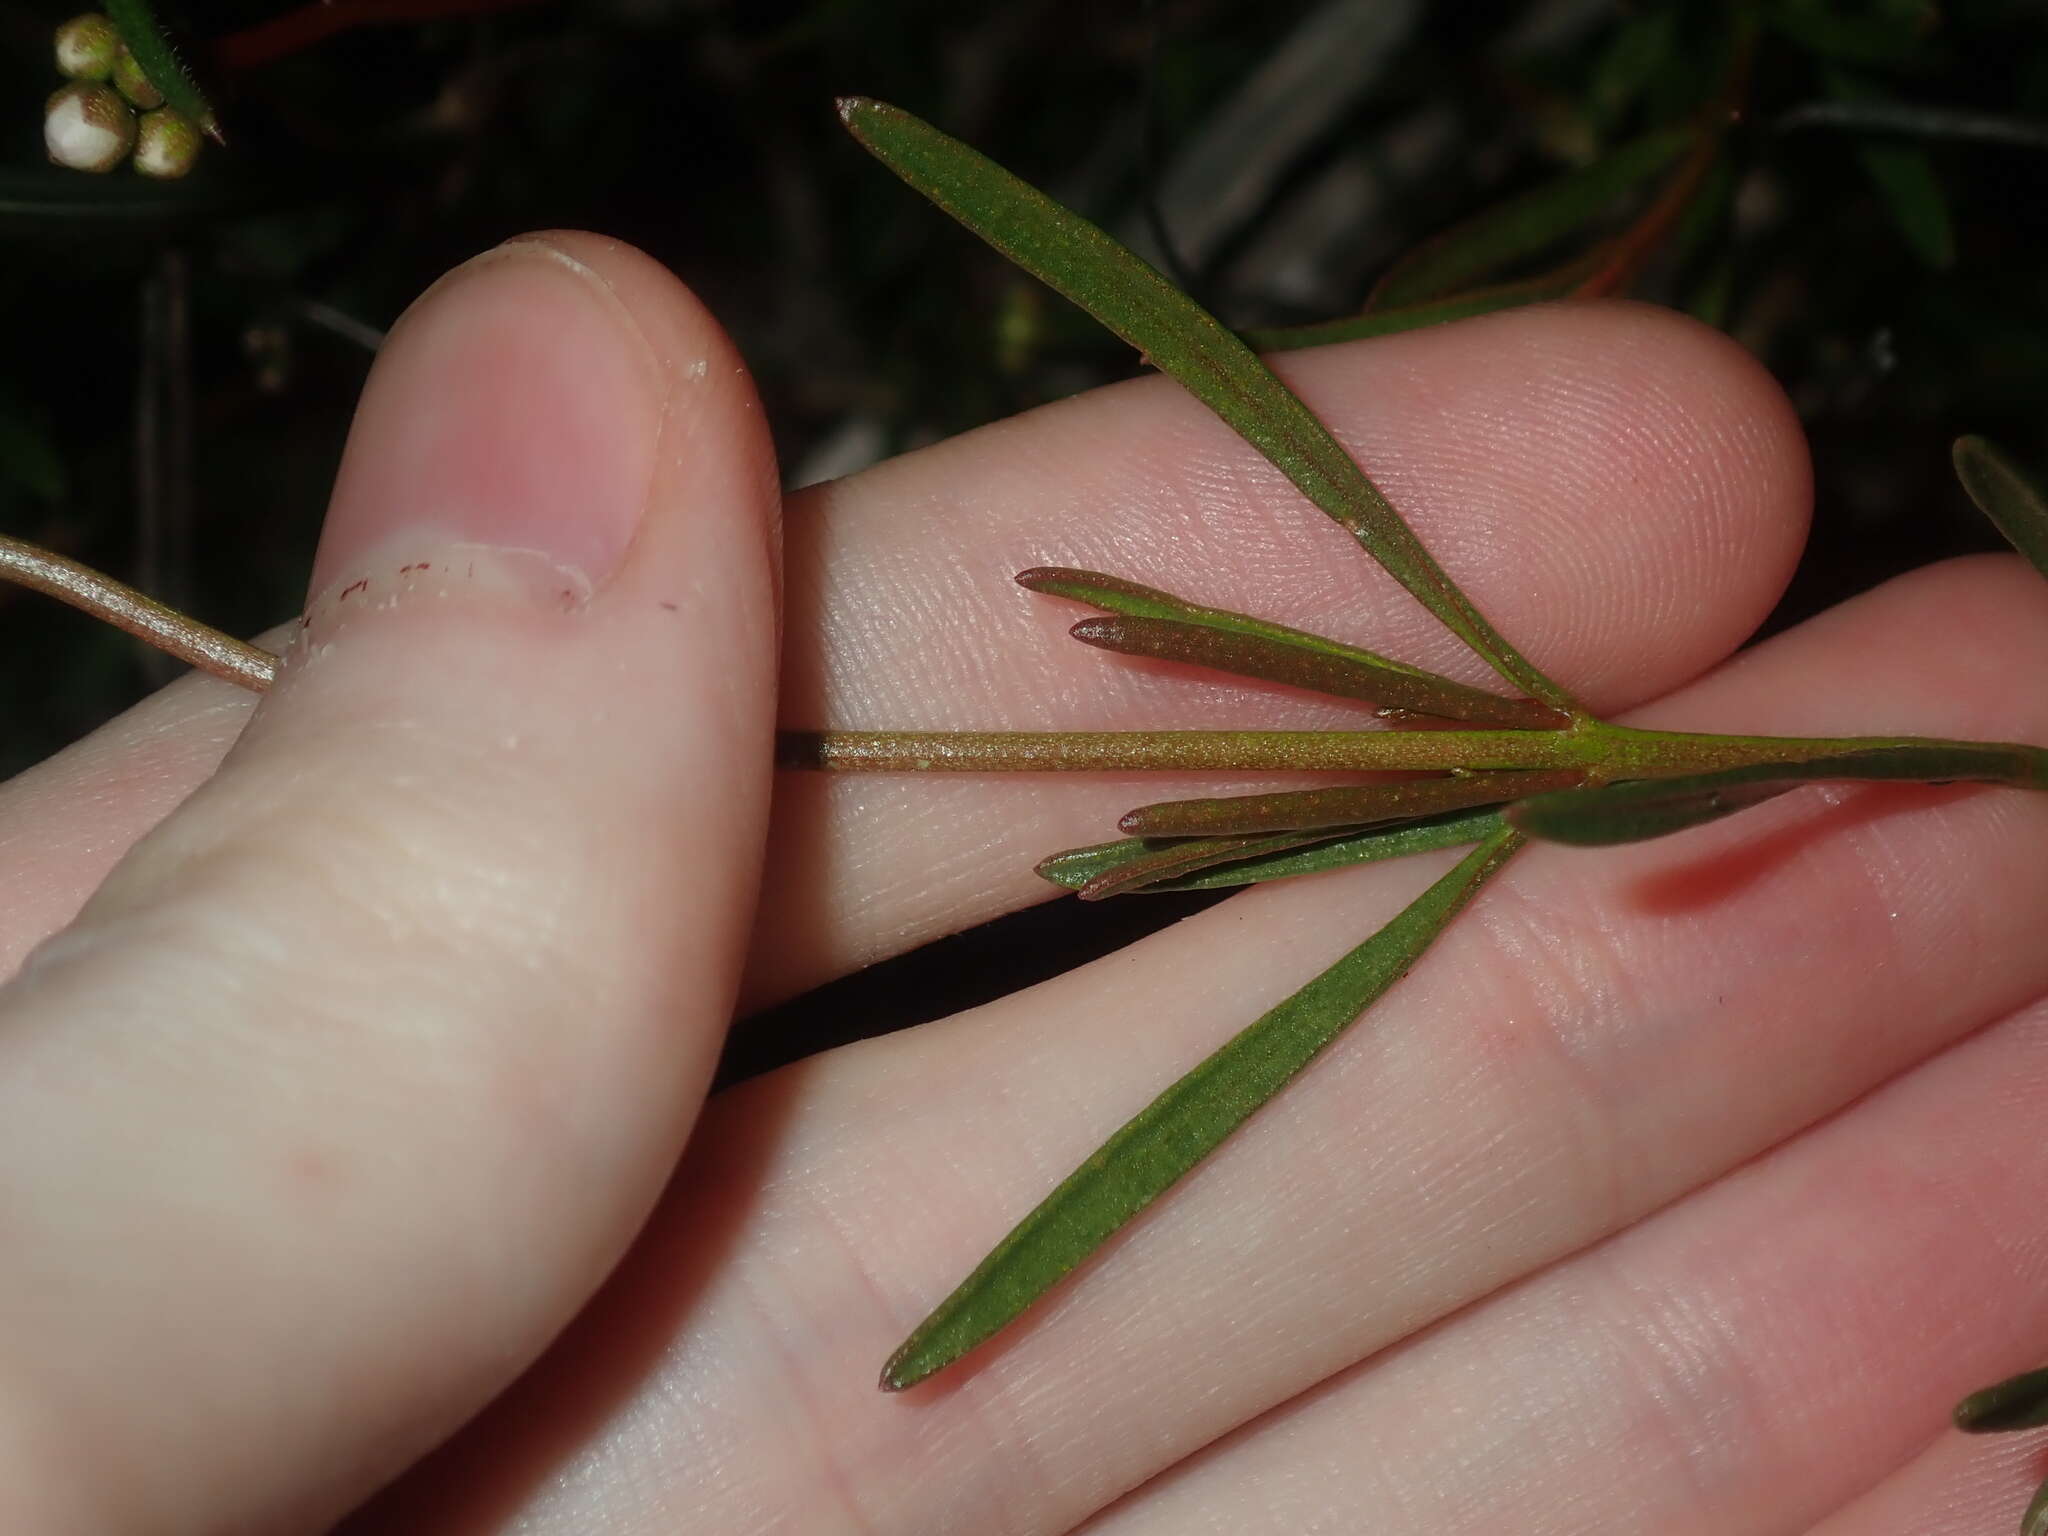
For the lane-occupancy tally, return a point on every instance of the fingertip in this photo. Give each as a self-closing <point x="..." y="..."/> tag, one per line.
<point x="437" y="966"/>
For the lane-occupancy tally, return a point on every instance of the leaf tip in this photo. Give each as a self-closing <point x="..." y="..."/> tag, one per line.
<point x="903" y="1371"/>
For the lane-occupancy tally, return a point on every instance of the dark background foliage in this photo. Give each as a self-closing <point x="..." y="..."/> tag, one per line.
<point x="182" y="358"/>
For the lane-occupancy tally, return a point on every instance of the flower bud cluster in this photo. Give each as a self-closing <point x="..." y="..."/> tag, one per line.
<point x="91" y="124"/>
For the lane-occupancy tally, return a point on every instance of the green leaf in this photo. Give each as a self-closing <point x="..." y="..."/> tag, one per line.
<point x="1183" y="340"/>
<point x="1076" y="867"/>
<point x="2035" y="1521"/>
<point x="1905" y="180"/>
<point x="2018" y="1402"/>
<point x="1182" y="1126"/>
<point x="1904" y="177"/>
<point x="2003" y="493"/>
<point x="160" y="62"/>
<point x="1635" y="51"/>
<point x="1631" y="813"/>
<point x="1157" y="624"/>
<point x="1544" y="287"/>
<point x="1345" y="805"/>
<point x="1524" y="226"/>
<point x="1646" y="808"/>
<point x="1177" y="857"/>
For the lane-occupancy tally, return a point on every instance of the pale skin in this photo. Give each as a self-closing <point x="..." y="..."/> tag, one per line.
<point x="1680" y="1190"/>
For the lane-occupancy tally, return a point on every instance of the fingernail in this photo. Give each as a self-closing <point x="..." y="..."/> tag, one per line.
<point x="516" y="407"/>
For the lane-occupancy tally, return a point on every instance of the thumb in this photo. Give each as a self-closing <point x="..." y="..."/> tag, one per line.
<point x="358" y="1074"/>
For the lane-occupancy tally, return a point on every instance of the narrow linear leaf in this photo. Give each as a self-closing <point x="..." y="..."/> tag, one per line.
<point x="1369" y="846"/>
<point x="159" y="61"/>
<point x="1344" y="805"/>
<point x="1114" y="594"/>
<point x="1525" y="226"/>
<point x="1320" y="666"/>
<point x="1076" y="867"/>
<point x="1646" y="808"/>
<point x="2008" y="497"/>
<point x="1182" y="340"/>
<point x="1182" y="1126"/>
<point x="1904" y="178"/>
<point x="1174" y="629"/>
<point x="1634" y="813"/>
<point x="1172" y="858"/>
<point x="2035" y="1521"/>
<point x="1543" y="288"/>
<point x="2018" y="1402"/>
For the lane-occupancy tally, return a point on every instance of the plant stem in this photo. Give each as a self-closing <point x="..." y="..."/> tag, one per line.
<point x="121" y="605"/>
<point x="1605" y="753"/>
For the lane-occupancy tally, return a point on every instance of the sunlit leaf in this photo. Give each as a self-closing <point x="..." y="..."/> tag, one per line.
<point x="1182" y="1126"/>
<point x="2018" y="1402"/>
<point x="2007" y="496"/>
<point x="1343" y="805"/>
<point x="1183" y="340"/>
<point x="1156" y="624"/>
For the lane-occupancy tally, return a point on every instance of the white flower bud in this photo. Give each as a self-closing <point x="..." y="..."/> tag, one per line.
<point x="131" y="82"/>
<point x="167" y="145"/>
<point x="88" y="127"/>
<point x="87" y="46"/>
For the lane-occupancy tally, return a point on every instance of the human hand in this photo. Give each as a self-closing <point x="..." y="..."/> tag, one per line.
<point x="1703" y="1137"/>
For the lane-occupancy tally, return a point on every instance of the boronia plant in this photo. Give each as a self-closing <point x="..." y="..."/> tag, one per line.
<point x="1489" y="773"/>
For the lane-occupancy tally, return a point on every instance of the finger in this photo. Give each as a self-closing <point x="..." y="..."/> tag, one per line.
<point x="1745" y="1362"/>
<point x="66" y="822"/>
<point x="1621" y="491"/>
<point x="355" y="1077"/>
<point x="1959" y="1485"/>
<point x="1600" y="1035"/>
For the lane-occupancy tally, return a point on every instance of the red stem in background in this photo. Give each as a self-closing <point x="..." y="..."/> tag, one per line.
<point x="310" y="24"/>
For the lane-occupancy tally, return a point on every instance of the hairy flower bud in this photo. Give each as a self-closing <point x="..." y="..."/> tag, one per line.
<point x="167" y="145"/>
<point x="87" y="47"/>
<point x="131" y="82"/>
<point x="88" y="127"/>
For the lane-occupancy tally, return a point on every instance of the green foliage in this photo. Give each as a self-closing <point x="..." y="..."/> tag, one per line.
<point x="1183" y="1125"/>
<point x="158" y="59"/>
<point x="2014" y="502"/>
<point x="1180" y="338"/>
<point x="1668" y="782"/>
<point x="1157" y="624"/>
<point x="1258" y="860"/>
<point x="367" y="162"/>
